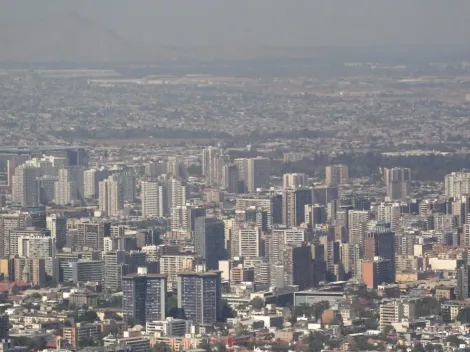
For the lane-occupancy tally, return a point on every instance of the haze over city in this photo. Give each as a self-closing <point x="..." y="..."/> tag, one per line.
<point x="211" y="176"/>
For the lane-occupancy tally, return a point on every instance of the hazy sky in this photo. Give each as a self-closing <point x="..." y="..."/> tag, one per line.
<point x="272" y="22"/>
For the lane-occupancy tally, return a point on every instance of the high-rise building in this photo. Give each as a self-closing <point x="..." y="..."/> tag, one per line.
<point x="315" y="215"/>
<point x="57" y="225"/>
<point x="91" y="180"/>
<point x="253" y="172"/>
<point x="398" y="182"/>
<point x="357" y="221"/>
<point x="462" y="290"/>
<point x="200" y="296"/>
<point x="297" y="264"/>
<point x="85" y="270"/>
<point x="212" y="163"/>
<point x="376" y="272"/>
<point x="90" y="234"/>
<point x="457" y="184"/>
<point x="111" y="200"/>
<point x="154" y="199"/>
<point x="30" y="270"/>
<point x="115" y="266"/>
<point x="381" y="243"/>
<point x="171" y="265"/>
<point x="155" y="168"/>
<point x="11" y="239"/>
<point x="144" y="297"/>
<point x="249" y="241"/>
<point x="24" y="185"/>
<point x="336" y="175"/>
<point x="389" y="213"/>
<point x="36" y="247"/>
<point x="177" y="193"/>
<point x="230" y="178"/>
<point x="70" y="186"/>
<point x="293" y="206"/>
<point x="209" y="241"/>
<point x="296" y="180"/>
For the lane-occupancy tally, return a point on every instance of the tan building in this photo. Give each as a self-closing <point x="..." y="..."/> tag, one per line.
<point x="30" y="270"/>
<point x="336" y="175"/>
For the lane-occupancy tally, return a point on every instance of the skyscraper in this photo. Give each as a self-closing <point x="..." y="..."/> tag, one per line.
<point x="24" y="185"/>
<point x="254" y="172"/>
<point x="154" y="199"/>
<point x="389" y="213"/>
<point x="111" y="200"/>
<point x="357" y="220"/>
<point x="177" y="192"/>
<point x="297" y="264"/>
<point x="57" y="225"/>
<point x="293" y="205"/>
<point x="462" y="288"/>
<point x="209" y="241"/>
<point x="212" y="163"/>
<point x="296" y="180"/>
<point x="381" y="243"/>
<point x="230" y="178"/>
<point x="249" y="240"/>
<point x="200" y="296"/>
<point x="336" y="175"/>
<point x="144" y="297"/>
<point x="70" y="186"/>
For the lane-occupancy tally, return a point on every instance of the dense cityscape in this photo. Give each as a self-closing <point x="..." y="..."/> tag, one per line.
<point x="294" y="199"/>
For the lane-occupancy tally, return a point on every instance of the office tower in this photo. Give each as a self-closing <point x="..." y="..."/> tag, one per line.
<point x="46" y="189"/>
<point x="209" y="241"/>
<point x="457" y="184"/>
<point x="154" y="199"/>
<point x="381" y="243"/>
<point x="297" y="264"/>
<point x="30" y="270"/>
<point x="7" y="222"/>
<point x="127" y="181"/>
<point x="377" y="271"/>
<point x="70" y="187"/>
<point x="389" y="212"/>
<point x="254" y="172"/>
<point x="325" y="194"/>
<point x="200" y="296"/>
<point x="351" y="259"/>
<point x="179" y="218"/>
<point x="91" y="180"/>
<point x="91" y="234"/>
<point x="155" y="168"/>
<point x="392" y="312"/>
<point x="315" y="215"/>
<point x="230" y="178"/>
<point x="445" y="222"/>
<point x="293" y="206"/>
<point x="462" y="288"/>
<point x="144" y="297"/>
<point x="396" y="174"/>
<point x="398" y="182"/>
<point x="24" y="185"/>
<point x="86" y="271"/>
<point x="249" y="242"/>
<point x="294" y="181"/>
<point x="212" y="163"/>
<point x="12" y="164"/>
<point x="258" y="217"/>
<point x="115" y="266"/>
<point x="171" y="265"/>
<point x="36" y="247"/>
<point x="57" y="225"/>
<point x="111" y="200"/>
<point x="11" y="238"/>
<point x="336" y="175"/>
<point x="177" y="192"/>
<point x="357" y="220"/>
<point x="4" y="327"/>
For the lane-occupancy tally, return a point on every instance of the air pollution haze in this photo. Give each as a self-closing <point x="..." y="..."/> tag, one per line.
<point x="143" y="30"/>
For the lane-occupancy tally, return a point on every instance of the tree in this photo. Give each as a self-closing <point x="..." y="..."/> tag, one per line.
<point x="162" y="347"/>
<point x="464" y="315"/>
<point x="455" y="341"/>
<point x="418" y="348"/>
<point x="227" y="311"/>
<point x="257" y="303"/>
<point x="205" y="346"/>
<point x="88" y="316"/>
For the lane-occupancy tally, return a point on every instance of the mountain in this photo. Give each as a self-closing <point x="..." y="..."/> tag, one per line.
<point x="69" y="38"/>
